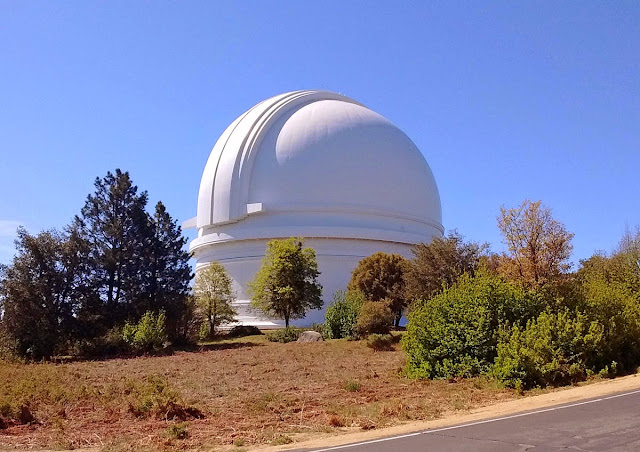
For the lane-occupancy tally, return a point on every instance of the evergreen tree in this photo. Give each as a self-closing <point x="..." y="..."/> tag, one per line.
<point x="168" y="269"/>
<point x="40" y="292"/>
<point x="115" y="225"/>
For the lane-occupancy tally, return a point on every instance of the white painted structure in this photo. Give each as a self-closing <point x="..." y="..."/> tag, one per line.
<point x="318" y="165"/>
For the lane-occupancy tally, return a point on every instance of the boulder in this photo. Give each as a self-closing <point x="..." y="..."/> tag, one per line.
<point x="310" y="336"/>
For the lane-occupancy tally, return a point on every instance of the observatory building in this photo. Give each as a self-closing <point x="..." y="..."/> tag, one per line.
<point x="316" y="165"/>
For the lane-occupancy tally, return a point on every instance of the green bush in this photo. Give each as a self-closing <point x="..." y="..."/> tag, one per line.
<point x="375" y="317"/>
<point x="554" y="349"/>
<point x="148" y="334"/>
<point x="284" y="335"/>
<point x="380" y="342"/>
<point x="456" y="333"/>
<point x="617" y="307"/>
<point x="244" y="330"/>
<point x="342" y="314"/>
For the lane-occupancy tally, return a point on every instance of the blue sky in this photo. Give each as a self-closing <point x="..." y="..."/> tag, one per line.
<point x="507" y="100"/>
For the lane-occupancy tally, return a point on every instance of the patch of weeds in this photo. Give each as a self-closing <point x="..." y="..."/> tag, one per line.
<point x="238" y="442"/>
<point x="281" y="440"/>
<point x="380" y="342"/>
<point x="352" y="386"/>
<point x="156" y="398"/>
<point x="178" y="431"/>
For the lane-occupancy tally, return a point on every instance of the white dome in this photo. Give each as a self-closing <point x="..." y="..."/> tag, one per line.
<point x="318" y="165"/>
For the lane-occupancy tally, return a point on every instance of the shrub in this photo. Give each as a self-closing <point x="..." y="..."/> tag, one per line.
<point x="109" y="344"/>
<point x="554" y="349"/>
<point x="352" y="386"/>
<point x="281" y="440"/>
<point x="617" y="307"/>
<point x="375" y="317"/>
<point x="284" y="335"/>
<point x="178" y="431"/>
<point x="342" y="314"/>
<point x="156" y="398"/>
<point x="380" y="342"/>
<point x="244" y="330"/>
<point x="456" y="332"/>
<point x="148" y="334"/>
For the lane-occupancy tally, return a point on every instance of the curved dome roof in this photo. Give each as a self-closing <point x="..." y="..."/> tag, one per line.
<point x="316" y="151"/>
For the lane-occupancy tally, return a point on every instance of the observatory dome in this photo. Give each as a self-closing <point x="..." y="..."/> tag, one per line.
<point x="317" y="165"/>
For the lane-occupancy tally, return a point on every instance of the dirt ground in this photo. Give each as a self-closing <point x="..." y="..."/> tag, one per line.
<point x="233" y="395"/>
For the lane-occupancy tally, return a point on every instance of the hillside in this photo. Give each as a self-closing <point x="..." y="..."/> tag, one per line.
<point x="230" y="394"/>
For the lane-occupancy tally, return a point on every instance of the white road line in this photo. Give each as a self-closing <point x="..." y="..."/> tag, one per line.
<point x="470" y="424"/>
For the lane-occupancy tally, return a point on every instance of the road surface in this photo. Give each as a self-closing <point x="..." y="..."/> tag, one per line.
<point x="609" y="423"/>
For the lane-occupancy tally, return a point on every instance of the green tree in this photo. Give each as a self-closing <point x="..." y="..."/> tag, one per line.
<point x="286" y="286"/>
<point x="40" y="292"/>
<point x="214" y="295"/>
<point x="381" y="277"/>
<point x="539" y="246"/>
<point x="439" y="264"/>
<point x="168" y="270"/>
<point x="115" y="225"/>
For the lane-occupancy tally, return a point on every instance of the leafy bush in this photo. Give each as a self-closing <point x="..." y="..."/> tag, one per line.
<point x="284" y="335"/>
<point x="456" y="332"/>
<point x="616" y="306"/>
<point x="554" y="349"/>
<point x="342" y="314"/>
<point x="380" y="342"/>
<point x="148" y="334"/>
<point x="375" y="317"/>
<point x="244" y="330"/>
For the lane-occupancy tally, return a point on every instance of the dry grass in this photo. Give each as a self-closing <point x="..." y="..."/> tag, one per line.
<point x="249" y="391"/>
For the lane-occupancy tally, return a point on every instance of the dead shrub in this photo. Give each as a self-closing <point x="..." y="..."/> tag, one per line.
<point x="336" y="421"/>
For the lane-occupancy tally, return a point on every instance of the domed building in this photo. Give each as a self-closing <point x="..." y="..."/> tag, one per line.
<point x="317" y="165"/>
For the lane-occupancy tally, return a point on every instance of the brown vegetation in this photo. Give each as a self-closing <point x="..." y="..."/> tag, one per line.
<point x="247" y="391"/>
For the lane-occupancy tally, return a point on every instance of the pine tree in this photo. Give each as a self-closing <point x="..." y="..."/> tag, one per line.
<point x="40" y="292"/>
<point x="115" y="226"/>
<point x="168" y="270"/>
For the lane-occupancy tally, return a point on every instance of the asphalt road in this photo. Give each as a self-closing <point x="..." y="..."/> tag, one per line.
<point x="610" y="423"/>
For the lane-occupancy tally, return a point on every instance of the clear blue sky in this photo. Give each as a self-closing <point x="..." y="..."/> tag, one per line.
<point x="507" y="100"/>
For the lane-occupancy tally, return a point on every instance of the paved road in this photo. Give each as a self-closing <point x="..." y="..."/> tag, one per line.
<point x="609" y="423"/>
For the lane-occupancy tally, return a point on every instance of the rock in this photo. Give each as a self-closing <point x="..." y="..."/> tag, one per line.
<point x="310" y="336"/>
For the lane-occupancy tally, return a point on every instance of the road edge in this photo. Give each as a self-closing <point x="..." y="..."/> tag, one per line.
<point x="558" y="396"/>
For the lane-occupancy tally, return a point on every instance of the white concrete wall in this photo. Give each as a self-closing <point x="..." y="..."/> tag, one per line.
<point x="336" y="260"/>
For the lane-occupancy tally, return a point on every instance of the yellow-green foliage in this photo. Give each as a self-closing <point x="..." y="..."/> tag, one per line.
<point x="554" y="349"/>
<point x="455" y="333"/>
<point x="148" y="334"/>
<point x="286" y="285"/>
